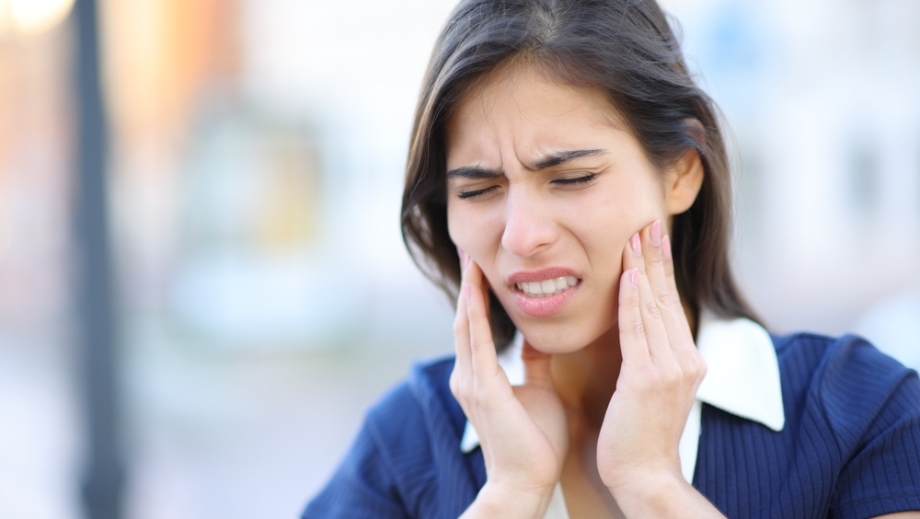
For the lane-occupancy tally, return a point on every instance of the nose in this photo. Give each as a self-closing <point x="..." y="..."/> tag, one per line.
<point x="529" y="227"/>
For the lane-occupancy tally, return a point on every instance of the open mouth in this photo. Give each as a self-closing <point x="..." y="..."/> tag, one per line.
<point x="547" y="287"/>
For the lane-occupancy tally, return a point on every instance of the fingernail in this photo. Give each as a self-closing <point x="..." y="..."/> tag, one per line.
<point x="634" y="277"/>
<point x="666" y="247"/>
<point x="463" y="257"/>
<point x="656" y="233"/>
<point x="636" y="245"/>
<point x="467" y="292"/>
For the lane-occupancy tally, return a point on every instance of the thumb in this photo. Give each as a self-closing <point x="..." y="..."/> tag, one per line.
<point x="536" y="366"/>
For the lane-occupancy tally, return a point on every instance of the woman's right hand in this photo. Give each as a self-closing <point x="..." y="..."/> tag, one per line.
<point x="522" y="430"/>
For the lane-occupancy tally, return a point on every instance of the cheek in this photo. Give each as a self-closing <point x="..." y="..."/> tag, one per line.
<point x="461" y="226"/>
<point x="473" y="230"/>
<point x="470" y="231"/>
<point x="605" y="231"/>
<point x="616" y="213"/>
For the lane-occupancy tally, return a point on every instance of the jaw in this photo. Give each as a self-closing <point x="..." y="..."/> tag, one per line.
<point x="569" y="334"/>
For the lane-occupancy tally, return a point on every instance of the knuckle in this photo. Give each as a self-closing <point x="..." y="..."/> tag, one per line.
<point x="455" y="383"/>
<point x="480" y="399"/>
<point x="691" y="370"/>
<point x="687" y="375"/>
<point x="701" y="367"/>
<point x="459" y="327"/>
<point x="672" y="377"/>
<point x="463" y="396"/>
<point x="695" y="367"/>
<point x="653" y="311"/>
<point x="638" y="329"/>
<point x="658" y="381"/>
<point x="475" y="341"/>
<point x="457" y="390"/>
<point x="669" y="269"/>
<point x="668" y="298"/>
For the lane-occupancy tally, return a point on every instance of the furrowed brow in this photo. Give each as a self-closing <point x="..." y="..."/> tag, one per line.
<point x="563" y="157"/>
<point x="474" y="173"/>
<point x="549" y="161"/>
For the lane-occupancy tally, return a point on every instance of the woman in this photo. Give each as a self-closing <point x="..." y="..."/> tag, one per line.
<point x="570" y="179"/>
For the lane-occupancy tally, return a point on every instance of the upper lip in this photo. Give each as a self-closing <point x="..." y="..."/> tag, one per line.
<point x="526" y="276"/>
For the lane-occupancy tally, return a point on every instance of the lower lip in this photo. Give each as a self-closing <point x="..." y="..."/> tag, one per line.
<point x="544" y="306"/>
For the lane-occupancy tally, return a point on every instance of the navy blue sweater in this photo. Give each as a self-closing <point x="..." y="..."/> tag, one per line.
<point x="850" y="447"/>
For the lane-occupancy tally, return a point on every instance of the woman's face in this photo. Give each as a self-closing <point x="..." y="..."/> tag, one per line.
<point x="545" y="188"/>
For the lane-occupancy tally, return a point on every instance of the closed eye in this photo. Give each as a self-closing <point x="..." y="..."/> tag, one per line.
<point x="574" y="181"/>
<point x="464" y="195"/>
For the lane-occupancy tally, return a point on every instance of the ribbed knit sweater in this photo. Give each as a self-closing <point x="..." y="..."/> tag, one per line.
<point x="850" y="447"/>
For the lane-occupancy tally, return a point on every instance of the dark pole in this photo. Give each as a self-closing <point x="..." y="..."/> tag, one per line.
<point x="103" y="477"/>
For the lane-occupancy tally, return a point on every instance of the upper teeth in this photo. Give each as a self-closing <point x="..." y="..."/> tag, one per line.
<point x="547" y="287"/>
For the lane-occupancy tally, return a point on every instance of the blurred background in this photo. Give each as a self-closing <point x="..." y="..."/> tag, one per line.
<point x="262" y="295"/>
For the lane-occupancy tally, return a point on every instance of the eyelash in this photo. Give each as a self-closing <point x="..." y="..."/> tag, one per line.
<point x="465" y="195"/>
<point x="572" y="181"/>
<point x="473" y="194"/>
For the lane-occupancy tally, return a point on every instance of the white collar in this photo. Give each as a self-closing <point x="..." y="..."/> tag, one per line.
<point x="742" y="378"/>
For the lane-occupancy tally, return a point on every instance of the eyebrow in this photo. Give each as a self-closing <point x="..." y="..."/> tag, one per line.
<point x="474" y="172"/>
<point x="549" y="161"/>
<point x="562" y="157"/>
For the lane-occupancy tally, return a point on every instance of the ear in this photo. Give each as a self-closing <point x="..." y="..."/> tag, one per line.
<point x="683" y="182"/>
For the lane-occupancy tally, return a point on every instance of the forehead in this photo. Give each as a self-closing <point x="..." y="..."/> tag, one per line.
<point x="531" y="102"/>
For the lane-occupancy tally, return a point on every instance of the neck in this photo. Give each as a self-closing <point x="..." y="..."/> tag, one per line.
<point x="586" y="379"/>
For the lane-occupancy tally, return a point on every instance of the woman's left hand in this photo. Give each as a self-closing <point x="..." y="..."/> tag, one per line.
<point x="637" y="452"/>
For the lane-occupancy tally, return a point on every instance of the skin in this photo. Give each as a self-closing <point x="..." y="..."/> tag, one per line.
<point x="543" y="174"/>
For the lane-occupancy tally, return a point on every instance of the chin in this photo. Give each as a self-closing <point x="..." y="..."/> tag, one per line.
<point x="557" y="338"/>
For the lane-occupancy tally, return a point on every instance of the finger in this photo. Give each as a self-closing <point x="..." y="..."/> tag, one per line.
<point x="675" y="317"/>
<point x="632" y="255"/>
<point x="656" y="336"/>
<point x="537" y="367"/>
<point x="655" y="268"/>
<point x="633" y="344"/>
<point x="663" y="285"/>
<point x="659" y="264"/>
<point x="462" y="366"/>
<point x="484" y="359"/>
<point x="462" y="373"/>
<point x="670" y="280"/>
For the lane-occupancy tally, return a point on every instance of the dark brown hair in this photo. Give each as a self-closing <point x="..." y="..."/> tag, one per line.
<point x="623" y="48"/>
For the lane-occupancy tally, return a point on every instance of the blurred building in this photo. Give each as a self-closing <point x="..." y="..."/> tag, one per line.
<point x="38" y="412"/>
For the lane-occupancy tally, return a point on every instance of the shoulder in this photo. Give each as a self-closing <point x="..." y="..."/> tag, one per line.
<point x="858" y="410"/>
<point x="849" y="447"/>
<point x="406" y="460"/>
<point x="848" y="351"/>
<point x="417" y="428"/>
<point x="422" y="398"/>
<point x="851" y="379"/>
<point x="416" y="416"/>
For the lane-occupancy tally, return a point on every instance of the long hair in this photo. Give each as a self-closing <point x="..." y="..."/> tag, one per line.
<point x="623" y="48"/>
